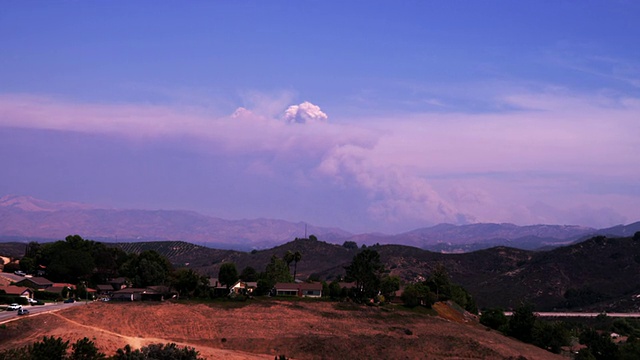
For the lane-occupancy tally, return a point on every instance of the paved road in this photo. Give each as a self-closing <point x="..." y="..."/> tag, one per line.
<point x="37" y="309"/>
<point x="580" y="314"/>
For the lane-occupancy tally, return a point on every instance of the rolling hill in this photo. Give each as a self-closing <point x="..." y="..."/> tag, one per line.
<point x="602" y="272"/>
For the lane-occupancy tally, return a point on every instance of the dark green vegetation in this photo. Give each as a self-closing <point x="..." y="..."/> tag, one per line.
<point x="79" y="261"/>
<point x="599" y="274"/>
<point x="553" y="335"/>
<point x="51" y="348"/>
<point x="438" y="287"/>
<point x="525" y="326"/>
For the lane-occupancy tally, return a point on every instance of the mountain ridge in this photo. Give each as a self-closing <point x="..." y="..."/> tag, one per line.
<point x="30" y="218"/>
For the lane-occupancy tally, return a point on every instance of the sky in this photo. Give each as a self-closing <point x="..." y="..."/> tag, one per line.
<point x="371" y="116"/>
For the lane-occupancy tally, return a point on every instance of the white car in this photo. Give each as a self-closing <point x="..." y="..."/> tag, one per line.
<point x="14" y="306"/>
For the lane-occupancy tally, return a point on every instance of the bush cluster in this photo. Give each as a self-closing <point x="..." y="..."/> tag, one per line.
<point x="51" y="348"/>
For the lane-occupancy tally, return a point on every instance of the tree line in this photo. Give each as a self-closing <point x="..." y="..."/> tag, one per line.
<point x="54" y="348"/>
<point x="525" y="326"/>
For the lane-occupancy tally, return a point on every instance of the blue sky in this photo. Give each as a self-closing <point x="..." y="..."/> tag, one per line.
<point x="404" y="114"/>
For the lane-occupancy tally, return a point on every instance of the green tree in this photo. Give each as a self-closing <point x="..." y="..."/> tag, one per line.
<point x="495" y="319"/>
<point x="169" y="352"/>
<point x="630" y="350"/>
<point x="366" y="270"/>
<point x="335" y="290"/>
<point x="600" y="345"/>
<point x="277" y="271"/>
<point x="85" y="349"/>
<point x="186" y="282"/>
<point x="585" y="354"/>
<point x="522" y="322"/>
<point x="351" y="245"/>
<point x="288" y="258"/>
<point x="462" y="297"/>
<point x="249" y="274"/>
<point x="16" y="354"/>
<point x="297" y="256"/>
<point x="389" y="285"/>
<point x="28" y="265"/>
<point x="439" y="283"/>
<point x="49" y="348"/>
<point x="32" y="250"/>
<point x="228" y="274"/>
<point x="128" y="353"/>
<point x="148" y="268"/>
<point x="417" y="294"/>
<point x="71" y="265"/>
<point x="550" y="336"/>
<point x="81" y="291"/>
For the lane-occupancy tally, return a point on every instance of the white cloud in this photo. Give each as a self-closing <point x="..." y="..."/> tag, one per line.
<point x="304" y="113"/>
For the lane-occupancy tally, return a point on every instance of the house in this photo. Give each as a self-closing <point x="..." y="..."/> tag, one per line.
<point x="60" y="288"/>
<point x="299" y="289"/>
<point x="218" y="288"/>
<point x="36" y="283"/>
<point x="243" y="287"/>
<point x="214" y="283"/>
<point x="251" y="286"/>
<point x="157" y="293"/>
<point x="238" y="288"/>
<point x="286" y="289"/>
<point x="128" y="294"/>
<point x="22" y="291"/>
<point x="104" y="289"/>
<point x="118" y="283"/>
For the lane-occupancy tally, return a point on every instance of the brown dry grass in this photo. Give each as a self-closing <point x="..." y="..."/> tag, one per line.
<point x="262" y="329"/>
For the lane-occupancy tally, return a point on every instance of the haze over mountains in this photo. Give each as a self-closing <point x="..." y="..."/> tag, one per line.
<point x="25" y="218"/>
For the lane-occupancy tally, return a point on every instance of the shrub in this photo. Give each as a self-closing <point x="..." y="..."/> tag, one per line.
<point x="494" y="318"/>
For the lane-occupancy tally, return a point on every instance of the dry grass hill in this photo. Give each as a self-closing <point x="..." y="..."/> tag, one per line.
<point x="264" y="329"/>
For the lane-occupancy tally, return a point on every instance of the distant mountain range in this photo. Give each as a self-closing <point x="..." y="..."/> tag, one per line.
<point x="24" y="218"/>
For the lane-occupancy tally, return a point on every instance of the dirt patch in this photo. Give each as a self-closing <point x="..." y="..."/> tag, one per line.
<point x="451" y="311"/>
<point x="259" y="330"/>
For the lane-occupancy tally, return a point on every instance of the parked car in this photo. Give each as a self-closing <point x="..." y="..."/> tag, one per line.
<point x="69" y="301"/>
<point x="35" y="302"/>
<point x="14" y="306"/>
<point x="23" y="312"/>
